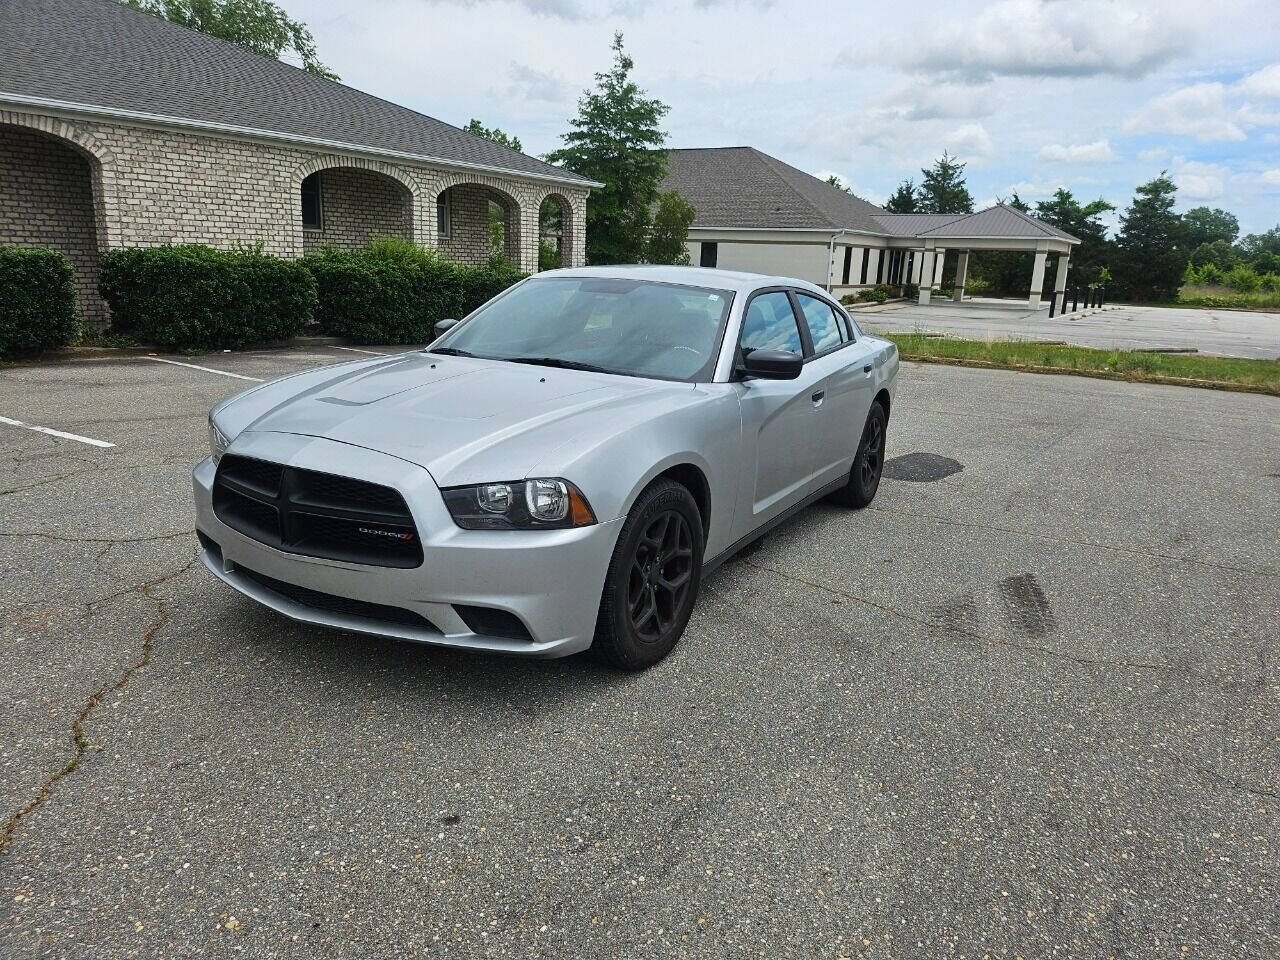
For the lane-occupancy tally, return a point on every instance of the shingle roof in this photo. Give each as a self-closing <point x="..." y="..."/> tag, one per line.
<point x="103" y="54"/>
<point x="997" y="221"/>
<point x="742" y="187"/>
<point x="913" y="224"/>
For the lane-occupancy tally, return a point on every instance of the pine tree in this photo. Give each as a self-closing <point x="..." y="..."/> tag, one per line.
<point x="1151" y="253"/>
<point x="1063" y="211"/>
<point x="903" y="199"/>
<point x="495" y="134"/>
<point x="616" y="140"/>
<point x="943" y="188"/>
<point x="670" y="231"/>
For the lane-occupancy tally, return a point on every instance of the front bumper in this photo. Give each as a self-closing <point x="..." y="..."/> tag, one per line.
<point x="550" y="580"/>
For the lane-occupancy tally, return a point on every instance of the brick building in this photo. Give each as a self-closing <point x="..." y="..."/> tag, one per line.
<point x="120" y="129"/>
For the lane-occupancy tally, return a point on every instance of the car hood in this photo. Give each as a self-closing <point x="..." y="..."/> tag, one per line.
<point x="465" y="420"/>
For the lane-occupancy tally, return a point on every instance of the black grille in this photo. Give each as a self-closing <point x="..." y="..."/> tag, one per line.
<point x="316" y="514"/>
<point x="341" y="605"/>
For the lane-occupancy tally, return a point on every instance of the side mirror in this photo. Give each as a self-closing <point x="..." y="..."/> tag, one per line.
<point x="445" y="325"/>
<point x="771" y="365"/>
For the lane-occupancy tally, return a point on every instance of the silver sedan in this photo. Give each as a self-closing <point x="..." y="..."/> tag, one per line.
<point x="557" y="471"/>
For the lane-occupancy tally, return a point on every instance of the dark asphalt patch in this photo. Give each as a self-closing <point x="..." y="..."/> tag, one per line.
<point x="1027" y="604"/>
<point x="921" y="467"/>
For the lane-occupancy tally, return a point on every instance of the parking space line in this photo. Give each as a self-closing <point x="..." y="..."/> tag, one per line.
<point x="376" y="353"/>
<point x="56" y="433"/>
<point x="238" y="376"/>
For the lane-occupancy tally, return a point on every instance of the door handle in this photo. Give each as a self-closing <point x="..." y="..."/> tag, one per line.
<point x="817" y="397"/>
<point x="866" y="368"/>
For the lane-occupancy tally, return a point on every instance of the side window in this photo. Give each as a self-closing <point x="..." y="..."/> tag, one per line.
<point x="824" y="329"/>
<point x="708" y="254"/>
<point x="770" y="324"/>
<point x="311" y="213"/>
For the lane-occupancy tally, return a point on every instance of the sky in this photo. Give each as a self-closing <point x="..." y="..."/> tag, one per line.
<point x="1094" y="95"/>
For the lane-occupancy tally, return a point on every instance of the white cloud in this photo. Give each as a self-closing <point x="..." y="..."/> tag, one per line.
<point x="1154" y="155"/>
<point x="1199" y="181"/>
<point x="968" y="140"/>
<point x="1199" y="111"/>
<point x="1271" y="177"/>
<point x="919" y="101"/>
<point x="1099" y="151"/>
<point x="1052" y="38"/>
<point x="1263" y="83"/>
<point x="533" y="84"/>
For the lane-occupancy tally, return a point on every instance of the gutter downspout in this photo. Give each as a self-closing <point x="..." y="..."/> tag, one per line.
<point x="831" y="255"/>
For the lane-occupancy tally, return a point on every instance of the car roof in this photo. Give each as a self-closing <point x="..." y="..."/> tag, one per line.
<point x="714" y="277"/>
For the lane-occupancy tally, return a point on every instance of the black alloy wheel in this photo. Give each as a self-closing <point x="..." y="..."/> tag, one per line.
<point x="652" y="583"/>
<point x="868" y="462"/>
<point x="661" y="575"/>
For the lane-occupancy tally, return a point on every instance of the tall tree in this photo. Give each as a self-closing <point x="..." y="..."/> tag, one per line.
<point x="494" y="134"/>
<point x="258" y="25"/>
<point x="942" y="189"/>
<point x="1063" y="211"/>
<point x="903" y="200"/>
<point x="1151" y="253"/>
<point x="616" y="140"/>
<point x="838" y="183"/>
<point x="1016" y="202"/>
<point x="670" y="230"/>
<point x="1208" y="226"/>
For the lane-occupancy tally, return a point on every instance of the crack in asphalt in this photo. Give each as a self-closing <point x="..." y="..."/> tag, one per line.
<point x="974" y="634"/>
<point x="108" y="540"/>
<point x="1078" y="542"/>
<point x="78" y="735"/>
<point x="92" y="467"/>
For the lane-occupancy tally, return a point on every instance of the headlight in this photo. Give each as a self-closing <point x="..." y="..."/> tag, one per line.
<point x="218" y="441"/>
<point x="519" y="505"/>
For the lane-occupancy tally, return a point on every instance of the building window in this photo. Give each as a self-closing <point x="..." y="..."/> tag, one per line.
<point x="866" y="261"/>
<point x="884" y="254"/>
<point x="709" y="255"/>
<point x="312" y="214"/>
<point x="442" y="214"/>
<point x="848" y="261"/>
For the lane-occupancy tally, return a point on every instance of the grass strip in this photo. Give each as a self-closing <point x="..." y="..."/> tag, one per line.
<point x="1189" y="370"/>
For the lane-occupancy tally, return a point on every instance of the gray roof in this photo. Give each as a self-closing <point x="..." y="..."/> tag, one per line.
<point x="103" y="54"/>
<point x="744" y="188"/>
<point x="913" y="224"/>
<point x="997" y="221"/>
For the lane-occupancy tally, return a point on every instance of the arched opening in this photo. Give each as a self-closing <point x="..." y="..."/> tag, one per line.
<point x="47" y="199"/>
<point x="555" y="224"/>
<point x="475" y="222"/>
<point x="346" y="207"/>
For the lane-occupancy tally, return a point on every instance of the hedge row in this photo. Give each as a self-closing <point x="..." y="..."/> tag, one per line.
<point x="37" y="301"/>
<point x="197" y="298"/>
<point x="395" y="292"/>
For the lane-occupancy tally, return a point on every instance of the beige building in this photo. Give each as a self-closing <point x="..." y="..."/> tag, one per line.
<point x="120" y="129"/>
<point x="756" y="213"/>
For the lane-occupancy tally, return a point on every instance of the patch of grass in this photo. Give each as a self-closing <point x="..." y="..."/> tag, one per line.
<point x="1210" y="295"/>
<point x="1196" y="370"/>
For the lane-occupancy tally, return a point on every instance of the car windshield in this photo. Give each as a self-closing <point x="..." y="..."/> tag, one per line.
<point x="635" y="327"/>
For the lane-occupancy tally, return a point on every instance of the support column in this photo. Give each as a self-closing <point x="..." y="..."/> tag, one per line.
<point x="1060" y="283"/>
<point x="962" y="272"/>
<point x="942" y="262"/>
<point x="926" y="275"/>
<point x="1037" y="279"/>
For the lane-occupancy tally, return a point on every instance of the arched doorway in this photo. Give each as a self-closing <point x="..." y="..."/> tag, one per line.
<point x="475" y="221"/>
<point x="47" y="199"/>
<point x="346" y="207"/>
<point x="555" y="229"/>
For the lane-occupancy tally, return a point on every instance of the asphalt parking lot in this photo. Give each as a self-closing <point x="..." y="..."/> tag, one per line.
<point x="1227" y="333"/>
<point x="1024" y="706"/>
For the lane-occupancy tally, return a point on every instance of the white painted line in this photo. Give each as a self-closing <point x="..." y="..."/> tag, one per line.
<point x="238" y="376"/>
<point x="57" y="433"/>
<point x="376" y="353"/>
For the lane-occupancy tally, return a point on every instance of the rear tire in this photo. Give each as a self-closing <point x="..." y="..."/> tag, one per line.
<point x="868" y="463"/>
<point x="653" y="579"/>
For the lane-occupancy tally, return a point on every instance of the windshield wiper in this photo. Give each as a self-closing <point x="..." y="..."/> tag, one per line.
<point x="452" y="352"/>
<point x="558" y="362"/>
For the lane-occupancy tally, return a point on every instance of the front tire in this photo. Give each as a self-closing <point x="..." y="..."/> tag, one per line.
<point x="868" y="464"/>
<point x="653" y="579"/>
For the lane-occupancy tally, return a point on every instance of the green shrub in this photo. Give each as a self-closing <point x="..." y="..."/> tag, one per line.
<point x="194" y="297"/>
<point x="1241" y="279"/>
<point x="37" y="301"/>
<point x="396" y="292"/>
<point x="910" y="290"/>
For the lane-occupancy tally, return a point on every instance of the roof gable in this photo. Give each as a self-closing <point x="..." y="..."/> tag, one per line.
<point x="102" y="54"/>
<point x="997" y="221"/>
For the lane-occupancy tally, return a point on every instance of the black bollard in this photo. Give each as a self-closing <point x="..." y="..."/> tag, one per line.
<point x="1053" y="300"/>
<point x="1102" y="294"/>
<point x="1075" y="299"/>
